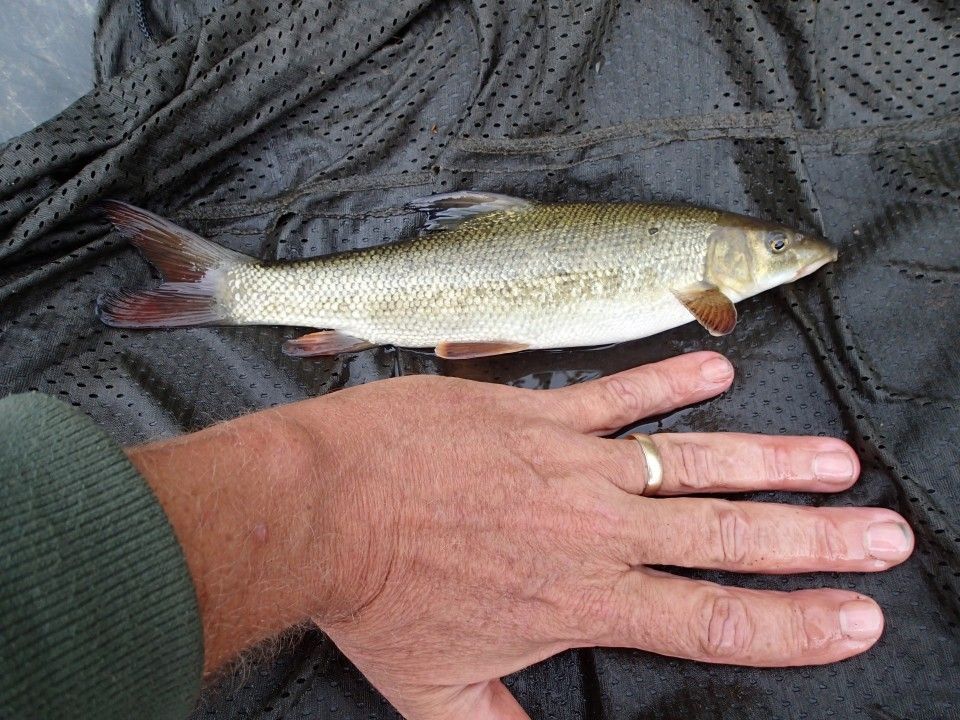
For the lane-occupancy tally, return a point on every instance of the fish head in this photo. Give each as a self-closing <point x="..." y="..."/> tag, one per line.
<point x="748" y="256"/>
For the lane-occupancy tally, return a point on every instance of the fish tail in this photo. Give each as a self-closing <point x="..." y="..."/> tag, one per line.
<point x="191" y="268"/>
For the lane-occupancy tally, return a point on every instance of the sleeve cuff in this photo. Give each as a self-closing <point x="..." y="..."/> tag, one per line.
<point x="99" y="614"/>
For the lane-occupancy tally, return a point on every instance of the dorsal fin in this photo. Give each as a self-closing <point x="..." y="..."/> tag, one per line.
<point x="446" y="211"/>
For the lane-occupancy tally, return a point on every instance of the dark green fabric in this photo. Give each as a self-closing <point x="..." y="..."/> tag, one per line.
<point x="98" y="617"/>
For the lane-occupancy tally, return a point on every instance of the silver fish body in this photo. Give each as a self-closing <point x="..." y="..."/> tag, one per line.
<point x="492" y="270"/>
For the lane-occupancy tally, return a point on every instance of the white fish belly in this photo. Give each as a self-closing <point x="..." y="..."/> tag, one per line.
<point x="612" y="321"/>
<point x="593" y="322"/>
<point x="597" y="322"/>
<point x="411" y="319"/>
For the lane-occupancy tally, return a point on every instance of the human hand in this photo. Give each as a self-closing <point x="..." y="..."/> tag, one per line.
<point x="445" y="533"/>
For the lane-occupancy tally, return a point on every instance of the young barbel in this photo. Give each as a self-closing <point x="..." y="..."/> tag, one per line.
<point x="489" y="274"/>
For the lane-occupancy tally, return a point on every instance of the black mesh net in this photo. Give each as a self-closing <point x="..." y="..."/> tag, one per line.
<point x="291" y="129"/>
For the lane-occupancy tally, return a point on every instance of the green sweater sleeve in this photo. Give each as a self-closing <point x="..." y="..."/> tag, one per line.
<point x="98" y="616"/>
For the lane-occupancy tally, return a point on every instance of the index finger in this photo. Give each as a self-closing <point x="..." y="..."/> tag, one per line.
<point x="608" y="404"/>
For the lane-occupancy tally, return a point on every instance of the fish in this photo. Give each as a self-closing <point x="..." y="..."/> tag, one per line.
<point x="488" y="274"/>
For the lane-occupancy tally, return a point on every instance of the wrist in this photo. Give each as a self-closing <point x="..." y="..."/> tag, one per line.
<point x="248" y="510"/>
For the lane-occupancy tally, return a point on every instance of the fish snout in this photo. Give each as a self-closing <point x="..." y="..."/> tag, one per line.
<point x="821" y="253"/>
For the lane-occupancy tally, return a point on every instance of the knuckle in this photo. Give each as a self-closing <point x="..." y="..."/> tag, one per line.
<point x="672" y="387"/>
<point x="617" y="532"/>
<point x="732" y="533"/>
<point x="598" y="604"/>
<point x="623" y="465"/>
<point x="692" y="466"/>
<point x="590" y="612"/>
<point x="625" y="398"/>
<point x="826" y="540"/>
<point x="594" y="526"/>
<point x="621" y="527"/>
<point x="534" y="441"/>
<point x="724" y="627"/>
<point x="776" y="464"/>
<point x="800" y="634"/>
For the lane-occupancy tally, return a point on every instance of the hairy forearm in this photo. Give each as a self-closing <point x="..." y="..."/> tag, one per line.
<point x="244" y="501"/>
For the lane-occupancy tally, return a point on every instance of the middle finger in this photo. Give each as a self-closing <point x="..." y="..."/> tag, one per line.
<point x="764" y="537"/>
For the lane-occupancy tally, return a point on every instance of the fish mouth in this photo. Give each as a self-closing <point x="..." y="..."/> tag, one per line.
<point x="817" y="264"/>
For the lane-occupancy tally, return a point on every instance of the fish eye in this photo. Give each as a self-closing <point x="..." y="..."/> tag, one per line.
<point x="777" y="242"/>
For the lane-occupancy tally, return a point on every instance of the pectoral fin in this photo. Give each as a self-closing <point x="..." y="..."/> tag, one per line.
<point x="325" y="342"/>
<point x="712" y="309"/>
<point x="465" y="350"/>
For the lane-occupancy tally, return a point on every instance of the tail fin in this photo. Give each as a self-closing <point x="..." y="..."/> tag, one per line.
<point x="190" y="266"/>
<point x="170" y="305"/>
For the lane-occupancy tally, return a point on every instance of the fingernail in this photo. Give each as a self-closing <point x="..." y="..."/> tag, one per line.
<point x="716" y="370"/>
<point x="833" y="467"/>
<point x="861" y="620"/>
<point x="887" y="541"/>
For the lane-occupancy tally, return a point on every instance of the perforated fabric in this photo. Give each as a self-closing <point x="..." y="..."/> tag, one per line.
<point x="290" y="129"/>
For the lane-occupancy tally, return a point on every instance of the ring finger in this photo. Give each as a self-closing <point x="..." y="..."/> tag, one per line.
<point x="732" y="462"/>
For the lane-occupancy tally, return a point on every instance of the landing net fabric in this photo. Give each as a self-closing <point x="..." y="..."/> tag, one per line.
<point x="287" y="130"/>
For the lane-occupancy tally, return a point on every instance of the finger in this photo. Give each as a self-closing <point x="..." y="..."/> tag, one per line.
<point x="488" y="700"/>
<point x="766" y="537"/>
<point x="712" y="623"/>
<point x="733" y="462"/>
<point x="605" y="405"/>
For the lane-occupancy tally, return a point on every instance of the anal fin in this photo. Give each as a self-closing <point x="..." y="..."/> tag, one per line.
<point x="325" y="342"/>
<point x="466" y="350"/>
<point x="712" y="309"/>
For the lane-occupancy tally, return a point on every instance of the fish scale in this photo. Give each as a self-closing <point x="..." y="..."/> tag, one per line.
<point x="488" y="274"/>
<point x="553" y="275"/>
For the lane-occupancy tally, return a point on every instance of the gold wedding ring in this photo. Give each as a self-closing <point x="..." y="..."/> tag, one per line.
<point x="651" y="457"/>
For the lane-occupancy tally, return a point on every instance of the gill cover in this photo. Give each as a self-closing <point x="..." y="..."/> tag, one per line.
<point x="729" y="262"/>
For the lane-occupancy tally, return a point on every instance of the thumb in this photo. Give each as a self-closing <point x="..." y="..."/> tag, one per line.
<point x="488" y="700"/>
